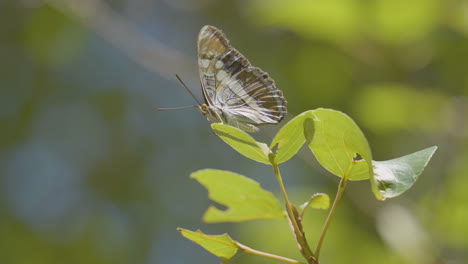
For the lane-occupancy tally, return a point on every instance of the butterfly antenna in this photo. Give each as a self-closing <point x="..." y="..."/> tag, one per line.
<point x="175" y="108"/>
<point x="185" y="86"/>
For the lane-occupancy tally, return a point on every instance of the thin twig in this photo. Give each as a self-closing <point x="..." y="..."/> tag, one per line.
<point x="295" y="226"/>
<point x="249" y="250"/>
<point x="339" y="192"/>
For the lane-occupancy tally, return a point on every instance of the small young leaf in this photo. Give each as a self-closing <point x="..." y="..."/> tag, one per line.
<point x="244" y="197"/>
<point x="394" y="177"/>
<point x="318" y="201"/>
<point x="221" y="246"/>
<point x="242" y="142"/>
<point x="336" y="140"/>
<point x="289" y="139"/>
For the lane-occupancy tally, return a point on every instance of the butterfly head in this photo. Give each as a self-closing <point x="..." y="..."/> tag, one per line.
<point x="203" y="109"/>
<point x="211" y="114"/>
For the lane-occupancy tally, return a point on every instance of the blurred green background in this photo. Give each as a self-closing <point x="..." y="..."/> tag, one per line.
<point x="91" y="172"/>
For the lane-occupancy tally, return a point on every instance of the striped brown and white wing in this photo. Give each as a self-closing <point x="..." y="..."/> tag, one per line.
<point x="252" y="97"/>
<point x="244" y="95"/>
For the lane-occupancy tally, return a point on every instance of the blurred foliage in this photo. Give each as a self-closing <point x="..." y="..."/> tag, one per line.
<point x="91" y="173"/>
<point x="52" y="38"/>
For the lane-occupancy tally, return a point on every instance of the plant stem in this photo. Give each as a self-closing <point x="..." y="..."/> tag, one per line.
<point x="339" y="192"/>
<point x="295" y="226"/>
<point x="252" y="251"/>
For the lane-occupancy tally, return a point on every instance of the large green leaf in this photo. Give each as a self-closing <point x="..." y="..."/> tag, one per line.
<point x="336" y="140"/>
<point x="242" y="142"/>
<point x="219" y="245"/>
<point x="244" y="197"/>
<point x="289" y="139"/>
<point x="394" y="177"/>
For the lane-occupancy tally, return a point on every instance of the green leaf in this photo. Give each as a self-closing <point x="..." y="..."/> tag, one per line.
<point x="219" y="245"/>
<point x="394" y="177"/>
<point x="317" y="201"/>
<point x="289" y="139"/>
<point x="242" y="142"/>
<point x="336" y="140"/>
<point x="244" y="197"/>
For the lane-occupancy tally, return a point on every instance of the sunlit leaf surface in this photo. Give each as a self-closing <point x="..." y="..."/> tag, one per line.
<point x="219" y="245"/>
<point x="243" y="197"/>
<point x="289" y="139"/>
<point x="336" y="141"/>
<point x="394" y="177"/>
<point x="242" y="142"/>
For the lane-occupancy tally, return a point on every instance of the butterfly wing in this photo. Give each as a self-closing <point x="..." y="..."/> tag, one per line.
<point x="243" y="95"/>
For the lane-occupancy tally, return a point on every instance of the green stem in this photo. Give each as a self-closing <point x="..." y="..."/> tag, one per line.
<point x="252" y="251"/>
<point x="341" y="187"/>
<point x="295" y="226"/>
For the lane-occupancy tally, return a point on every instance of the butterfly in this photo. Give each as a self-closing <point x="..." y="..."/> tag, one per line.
<point x="235" y="92"/>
